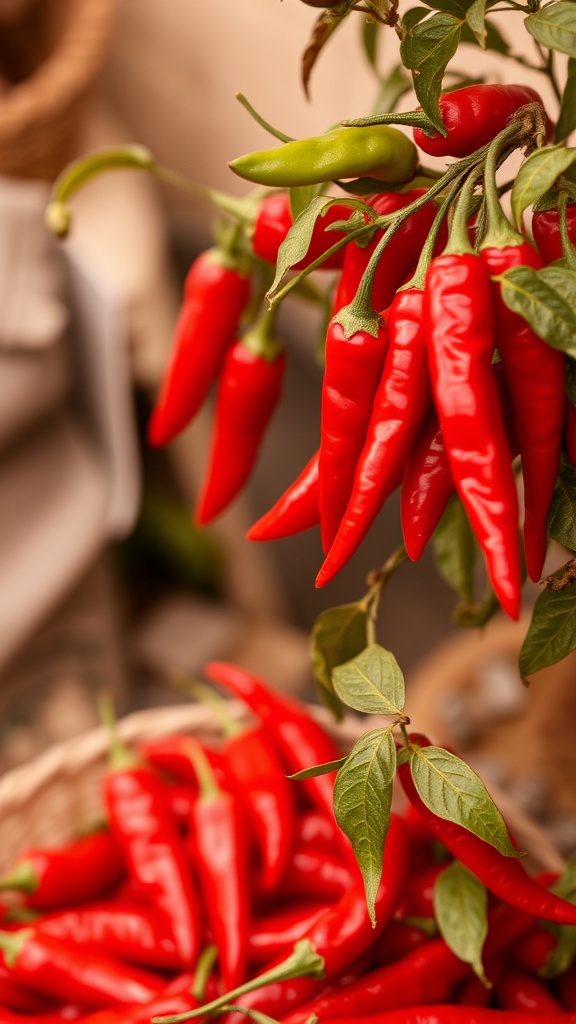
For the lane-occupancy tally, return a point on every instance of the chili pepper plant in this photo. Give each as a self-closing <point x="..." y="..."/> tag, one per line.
<point x="449" y="374"/>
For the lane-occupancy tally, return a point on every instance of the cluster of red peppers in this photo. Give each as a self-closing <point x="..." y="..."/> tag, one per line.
<point x="214" y="869"/>
<point x="431" y="383"/>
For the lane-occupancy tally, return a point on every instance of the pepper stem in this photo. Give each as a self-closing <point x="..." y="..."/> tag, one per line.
<point x="119" y="755"/>
<point x="260" y="339"/>
<point x="304" y="961"/>
<point x="568" y="249"/>
<point x="500" y="234"/>
<point x="458" y="241"/>
<point x="206" y="695"/>
<point x="12" y="944"/>
<point x="419" y="277"/>
<point x="207" y="784"/>
<point x="23" y="877"/>
<point x="412" y="118"/>
<point x="204" y="966"/>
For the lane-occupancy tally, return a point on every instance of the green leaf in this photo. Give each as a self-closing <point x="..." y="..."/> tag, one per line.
<point x="472" y="616"/>
<point x="567" y="117"/>
<point x="425" y="51"/>
<point x="537" y="175"/>
<point x="297" y="241"/>
<point x="372" y="682"/>
<point x="323" y="29"/>
<point x="460" y="908"/>
<point x="554" y="26"/>
<point x="562" y="280"/>
<point x="494" y="39"/>
<point x="552" y="631"/>
<point x="301" y="196"/>
<point x="455" y="550"/>
<point x="413" y="16"/>
<point x="476" y="18"/>
<point x="392" y="88"/>
<point x="562" y="518"/>
<point x="319" y="769"/>
<point x="527" y="292"/>
<point x="370" y="36"/>
<point x="362" y="799"/>
<point x="453" y="791"/>
<point x="338" y="635"/>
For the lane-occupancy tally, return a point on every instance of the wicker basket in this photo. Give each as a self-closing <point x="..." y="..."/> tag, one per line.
<point x="56" y="797"/>
<point x="40" y="116"/>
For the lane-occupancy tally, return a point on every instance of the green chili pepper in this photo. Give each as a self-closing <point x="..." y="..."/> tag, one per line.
<point x="381" y="152"/>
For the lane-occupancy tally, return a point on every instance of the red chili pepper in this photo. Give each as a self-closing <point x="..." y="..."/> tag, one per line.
<point x="171" y="754"/>
<point x="314" y="829"/>
<point x="315" y="873"/>
<point x="460" y="329"/>
<point x="445" y="1013"/>
<point x="570" y="432"/>
<point x="531" y="952"/>
<point x="273" y="936"/>
<point x="427" y="487"/>
<point x="79" y="871"/>
<point x="398" y="940"/>
<point x="503" y="876"/>
<point x="295" y="511"/>
<point x="518" y="990"/>
<point x="398" y="259"/>
<point x="141" y="819"/>
<point x="546" y="230"/>
<point x="566" y="988"/>
<point x="399" y="407"/>
<point x="74" y="975"/>
<point x="128" y="932"/>
<point x="274" y="220"/>
<point x="220" y="845"/>
<point x="474" y="992"/>
<point x="300" y="741"/>
<point x="473" y="116"/>
<point x="20" y="998"/>
<point x="418" y="900"/>
<point x="180" y="797"/>
<point x="215" y="295"/>
<point x="248" y="393"/>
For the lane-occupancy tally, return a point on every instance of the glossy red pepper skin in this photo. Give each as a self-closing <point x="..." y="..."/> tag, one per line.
<point x="352" y="371"/>
<point x="300" y="741"/>
<point x="460" y="331"/>
<point x="215" y="295"/>
<point x="531" y="952"/>
<point x="131" y="933"/>
<point x="273" y="936"/>
<point x="446" y="1013"/>
<point x="248" y="392"/>
<point x="314" y="829"/>
<point x="274" y="220"/>
<point x="473" y="116"/>
<point x="74" y="975"/>
<point x="518" y="990"/>
<point x="254" y="764"/>
<point x="400" y="256"/>
<point x="295" y="511"/>
<point x="154" y="852"/>
<point x="503" y="876"/>
<point x="426" y="488"/>
<point x="535" y="374"/>
<point x="20" y="998"/>
<point x="80" y="871"/>
<point x="399" y="407"/>
<point x="319" y="874"/>
<point x="138" y="1014"/>
<point x="546" y="231"/>
<point x="418" y="900"/>
<point x="172" y="754"/>
<point x="396" y="941"/>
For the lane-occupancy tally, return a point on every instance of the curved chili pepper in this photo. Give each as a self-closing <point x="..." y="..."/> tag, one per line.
<point x="77" y="872"/>
<point x="216" y="292"/>
<point x="154" y="852"/>
<point x="503" y="876"/>
<point x="546" y="230"/>
<point x="418" y="900"/>
<point x="219" y="844"/>
<point x="426" y="488"/>
<point x="518" y="990"/>
<point x="19" y="997"/>
<point x="314" y="829"/>
<point x="128" y="932"/>
<point x="295" y="511"/>
<point x="535" y="373"/>
<point x="352" y="371"/>
<point x="446" y="1013"/>
<point x="138" y="1014"/>
<point x="473" y="116"/>
<point x="248" y="393"/>
<point x="300" y="741"/>
<point x="381" y="152"/>
<point x="460" y="330"/>
<point x="398" y="940"/>
<point x="399" y="406"/>
<point x="274" y="220"/>
<point x="171" y="754"/>
<point x="531" y="952"/>
<point x="315" y="873"/>
<point x="72" y="974"/>
<point x="398" y="259"/>
<point x="273" y="936"/>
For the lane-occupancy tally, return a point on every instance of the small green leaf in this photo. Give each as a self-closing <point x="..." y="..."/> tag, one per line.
<point x="338" y="635"/>
<point x="562" y="280"/>
<point x="413" y="16"/>
<point x="370" y="36"/>
<point x="362" y="799"/>
<point x="552" y="631"/>
<point x="554" y="26"/>
<point x="322" y="31"/>
<point x="460" y="908"/>
<point x="527" y="292"/>
<point x="537" y="175"/>
<point x="301" y="196"/>
<point x="319" y="769"/>
<point x="295" y="245"/>
<point x="476" y="18"/>
<point x="562" y="518"/>
<point x="567" y="117"/>
<point x="455" y="550"/>
<point x="494" y="39"/>
<point x="372" y="682"/>
<point x="450" y="789"/>
<point x="425" y="51"/>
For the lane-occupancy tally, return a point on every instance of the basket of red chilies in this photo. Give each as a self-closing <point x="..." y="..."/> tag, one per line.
<point x="210" y="877"/>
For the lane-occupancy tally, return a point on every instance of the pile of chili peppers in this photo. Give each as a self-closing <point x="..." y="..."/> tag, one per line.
<point x="212" y="865"/>
<point x="431" y="384"/>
